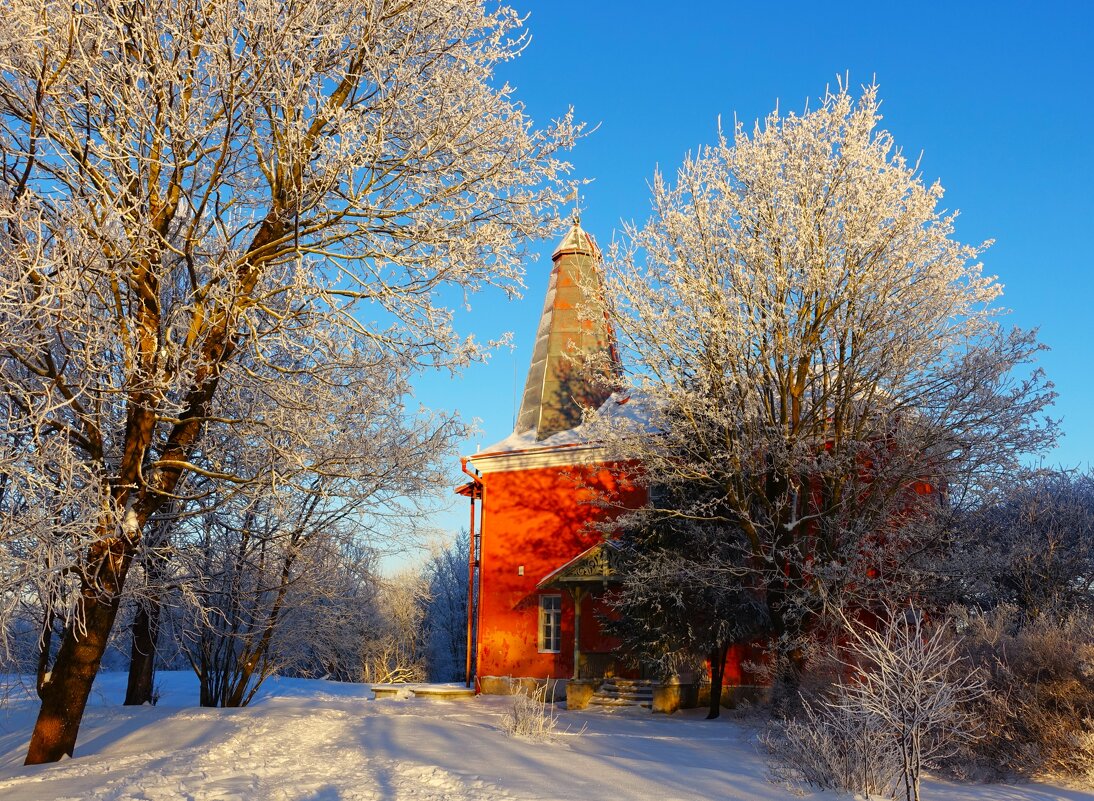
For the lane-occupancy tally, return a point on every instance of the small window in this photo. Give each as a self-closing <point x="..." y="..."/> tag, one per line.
<point x="550" y="623"/>
<point x="659" y="495"/>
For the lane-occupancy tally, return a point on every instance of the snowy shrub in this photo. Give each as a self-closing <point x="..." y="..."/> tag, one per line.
<point x="1038" y="711"/>
<point x="829" y="746"/>
<point x="904" y="705"/>
<point x="532" y="715"/>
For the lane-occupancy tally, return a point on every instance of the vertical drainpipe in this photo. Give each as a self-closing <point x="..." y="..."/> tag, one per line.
<point x="478" y="580"/>
<point x="472" y="564"/>
<point x="470" y="587"/>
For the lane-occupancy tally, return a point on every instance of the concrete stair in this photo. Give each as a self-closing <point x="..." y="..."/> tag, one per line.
<point x="624" y="692"/>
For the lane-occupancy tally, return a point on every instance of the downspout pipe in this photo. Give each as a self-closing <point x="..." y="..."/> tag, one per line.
<point x="472" y="564"/>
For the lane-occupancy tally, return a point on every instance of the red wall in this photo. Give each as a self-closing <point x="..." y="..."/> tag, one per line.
<point x="536" y="518"/>
<point x="539" y="519"/>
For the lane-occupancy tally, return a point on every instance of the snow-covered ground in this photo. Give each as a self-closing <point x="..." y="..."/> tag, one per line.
<point x="323" y="741"/>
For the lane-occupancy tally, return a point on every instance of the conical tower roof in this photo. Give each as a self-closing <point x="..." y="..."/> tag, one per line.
<point x="558" y="387"/>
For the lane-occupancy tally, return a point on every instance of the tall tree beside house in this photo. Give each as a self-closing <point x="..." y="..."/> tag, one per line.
<point x="679" y="602"/>
<point x="185" y="183"/>
<point x="811" y="340"/>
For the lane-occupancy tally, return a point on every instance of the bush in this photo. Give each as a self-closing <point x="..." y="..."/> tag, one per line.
<point x="1038" y="711"/>
<point x="903" y="705"/>
<point x="828" y="747"/>
<point x="532" y="716"/>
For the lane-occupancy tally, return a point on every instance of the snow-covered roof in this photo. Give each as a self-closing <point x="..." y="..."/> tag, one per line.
<point x="576" y="445"/>
<point x="618" y="407"/>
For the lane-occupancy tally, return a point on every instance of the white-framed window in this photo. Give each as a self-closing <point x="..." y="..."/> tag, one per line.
<point x="550" y="623"/>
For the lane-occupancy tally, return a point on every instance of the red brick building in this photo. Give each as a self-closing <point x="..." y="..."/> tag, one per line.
<point x="541" y="569"/>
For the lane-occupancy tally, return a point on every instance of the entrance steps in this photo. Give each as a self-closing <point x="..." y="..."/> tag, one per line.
<point x="624" y="692"/>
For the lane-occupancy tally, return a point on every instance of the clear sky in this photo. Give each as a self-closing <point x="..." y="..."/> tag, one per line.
<point x="996" y="96"/>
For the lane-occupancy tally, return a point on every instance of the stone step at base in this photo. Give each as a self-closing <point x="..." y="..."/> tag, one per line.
<point x="629" y="696"/>
<point x="624" y="692"/>
<point x="610" y="696"/>
<point x="602" y="701"/>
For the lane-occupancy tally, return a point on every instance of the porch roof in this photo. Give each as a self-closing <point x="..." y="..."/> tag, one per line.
<point x="596" y="565"/>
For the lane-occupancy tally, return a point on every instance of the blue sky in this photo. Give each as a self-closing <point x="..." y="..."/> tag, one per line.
<point x="996" y="97"/>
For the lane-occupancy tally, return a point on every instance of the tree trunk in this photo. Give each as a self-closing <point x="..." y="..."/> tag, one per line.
<point x="146" y="623"/>
<point x="142" y="653"/>
<point x="206" y="694"/>
<point x="65" y="694"/>
<point x="45" y="640"/>
<point x="235" y="693"/>
<point x="789" y="665"/>
<point x="788" y="628"/>
<point x="717" y="671"/>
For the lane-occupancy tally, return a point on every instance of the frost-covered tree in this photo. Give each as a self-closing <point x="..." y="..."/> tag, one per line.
<point x="246" y="559"/>
<point x="809" y="338"/>
<point x="186" y="183"/>
<point x="1029" y="545"/>
<point x="911" y="680"/>
<point x="673" y="606"/>
<point x="247" y="566"/>
<point x="265" y="575"/>
<point x="393" y="646"/>
<point x="446" y="574"/>
<point x="905" y="703"/>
